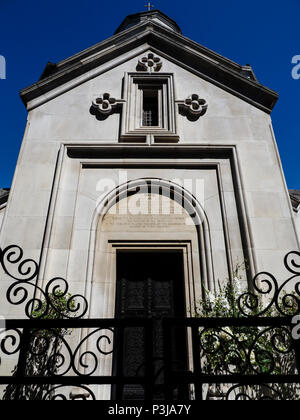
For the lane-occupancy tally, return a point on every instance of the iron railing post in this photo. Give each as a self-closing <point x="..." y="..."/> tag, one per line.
<point x="149" y="373"/>
<point x="120" y="362"/>
<point x="168" y="374"/>
<point x="296" y="345"/>
<point x="22" y="361"/>
<point x="197" y="362"/>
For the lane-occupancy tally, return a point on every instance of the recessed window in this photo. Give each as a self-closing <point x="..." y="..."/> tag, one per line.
<point x="150" y="108"/>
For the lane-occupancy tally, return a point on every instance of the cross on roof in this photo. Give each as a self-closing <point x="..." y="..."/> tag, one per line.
<point x="149" y="5"/>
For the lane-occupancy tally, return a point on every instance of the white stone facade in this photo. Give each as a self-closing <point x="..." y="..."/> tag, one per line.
<point x="67" y="150"/>
<point x="86" y="152"/>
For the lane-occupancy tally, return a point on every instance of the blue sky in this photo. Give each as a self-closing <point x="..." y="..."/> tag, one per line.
<point x="263" y="33"/>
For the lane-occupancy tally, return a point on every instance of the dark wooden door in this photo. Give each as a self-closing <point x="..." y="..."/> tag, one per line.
<point x="150" y="284"/>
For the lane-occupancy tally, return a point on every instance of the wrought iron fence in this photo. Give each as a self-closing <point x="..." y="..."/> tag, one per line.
<point x="50" y="367"/>
<point x="59" y="354"/>
<point x="229" y="363"/>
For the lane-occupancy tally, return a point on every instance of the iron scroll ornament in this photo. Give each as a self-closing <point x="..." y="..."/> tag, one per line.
<point x="51" y="345"/>
<point x="265" y="285"/>
<point x="25" y="273"/>
<point x="231" y="350"/>
<point x="239" y="358"/>
<point x="262" y="392"/>
<point x="57" y="393"/>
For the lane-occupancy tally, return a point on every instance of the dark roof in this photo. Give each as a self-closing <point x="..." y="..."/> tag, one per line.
<point x="4" y="193"/>
<point x="160" y="33"/>
<point x="295" y="198"/>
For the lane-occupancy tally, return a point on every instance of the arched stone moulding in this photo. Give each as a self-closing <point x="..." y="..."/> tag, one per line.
<point x="168" y="189"/>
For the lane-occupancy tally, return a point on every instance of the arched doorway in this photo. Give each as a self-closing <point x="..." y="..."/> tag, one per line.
<point x="151" y="257"/>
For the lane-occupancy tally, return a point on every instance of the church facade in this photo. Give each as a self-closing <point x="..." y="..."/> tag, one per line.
<point x="148" y="141"/>
<point x="148" y="155"/>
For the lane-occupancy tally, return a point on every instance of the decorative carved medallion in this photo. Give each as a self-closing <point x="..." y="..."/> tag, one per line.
<point x="194" y="105"/>
<point x="149" y="62"/>
<point x="105" y="104"/>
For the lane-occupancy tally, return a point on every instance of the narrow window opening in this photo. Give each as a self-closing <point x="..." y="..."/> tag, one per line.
<point x="150" y="108"/>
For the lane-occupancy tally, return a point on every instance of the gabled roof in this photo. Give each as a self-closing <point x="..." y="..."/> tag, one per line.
<point x="159" y="33"/>
<point x="295" y="199"/>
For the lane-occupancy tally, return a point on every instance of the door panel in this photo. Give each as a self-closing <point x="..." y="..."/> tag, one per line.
<point x="150" y="284"/>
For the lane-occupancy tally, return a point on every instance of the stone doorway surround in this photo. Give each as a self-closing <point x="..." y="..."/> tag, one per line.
<point x="190" y="262"/>
<point x="114" y="232"/>
<point x="73" y="246"/>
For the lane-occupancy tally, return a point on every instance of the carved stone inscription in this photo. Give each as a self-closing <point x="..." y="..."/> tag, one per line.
<point x="154" y="214"/>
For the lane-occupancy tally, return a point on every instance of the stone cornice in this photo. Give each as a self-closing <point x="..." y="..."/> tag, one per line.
<point x="183" y="51"/>
<point x="4" y="194"/>
<point x="295" y="199"/>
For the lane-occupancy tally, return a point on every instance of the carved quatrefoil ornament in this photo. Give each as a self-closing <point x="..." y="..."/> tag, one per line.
<point x="150" y="62"/>
<point x="105" y="104"/>
<point x="193" y="107"/>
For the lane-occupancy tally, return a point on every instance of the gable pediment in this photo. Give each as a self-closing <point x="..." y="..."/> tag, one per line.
<point x="234" y="78"/>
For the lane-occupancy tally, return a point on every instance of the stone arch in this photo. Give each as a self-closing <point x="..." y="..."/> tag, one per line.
<point x="168" y="189"/>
